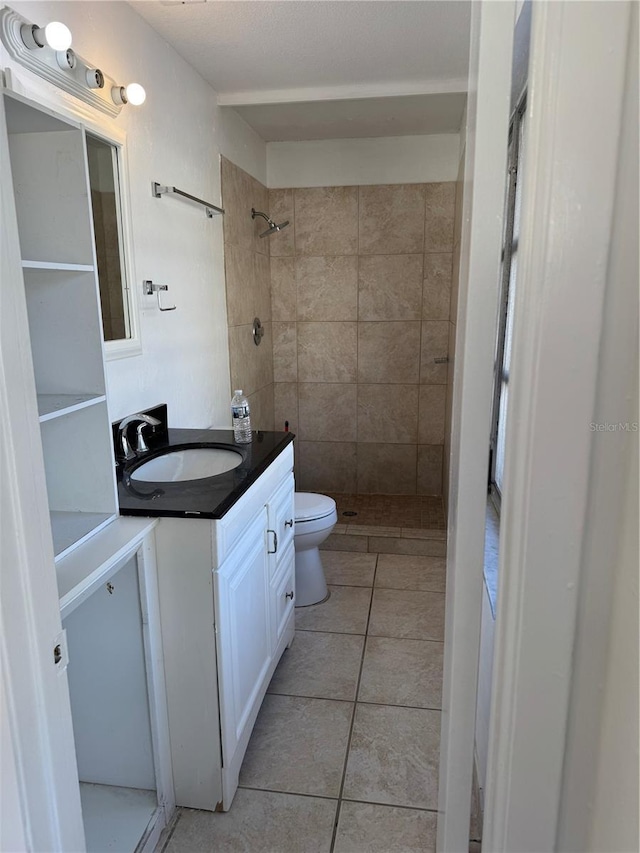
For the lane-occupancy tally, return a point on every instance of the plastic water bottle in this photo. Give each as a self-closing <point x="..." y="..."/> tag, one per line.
<point x="241" y="418"/>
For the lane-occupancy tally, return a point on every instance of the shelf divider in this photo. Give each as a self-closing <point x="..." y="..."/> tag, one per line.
<point x="52" y="406"/>
<point x="54" y="266"/>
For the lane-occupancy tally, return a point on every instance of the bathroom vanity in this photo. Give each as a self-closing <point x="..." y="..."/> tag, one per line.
<point x="226" y="575"/>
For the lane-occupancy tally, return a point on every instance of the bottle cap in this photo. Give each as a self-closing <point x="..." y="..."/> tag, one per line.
<point x="238" y="391"/>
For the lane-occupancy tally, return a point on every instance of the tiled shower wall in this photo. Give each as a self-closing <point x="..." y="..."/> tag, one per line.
<point x="453" y="316"/>
<point x="360" y="290"/>
<point x="248" y="291"/>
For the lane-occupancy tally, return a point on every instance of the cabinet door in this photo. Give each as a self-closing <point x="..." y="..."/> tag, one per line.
<point x="241" y="586"/>
<point x="283" y="593"/>
<point x="281" y="521"/>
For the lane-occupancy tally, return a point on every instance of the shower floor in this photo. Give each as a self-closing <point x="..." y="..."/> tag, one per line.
<point x="402" y="511"/>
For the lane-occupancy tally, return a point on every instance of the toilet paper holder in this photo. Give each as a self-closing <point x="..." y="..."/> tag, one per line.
<point x="150" y="288"/>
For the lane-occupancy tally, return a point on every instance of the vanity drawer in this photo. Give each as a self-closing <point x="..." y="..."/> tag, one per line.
<point x="281" y="522"/>
<point x="283" y="593"/>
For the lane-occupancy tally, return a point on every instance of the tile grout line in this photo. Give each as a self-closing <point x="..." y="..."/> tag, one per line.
<point x="353" y="718"/>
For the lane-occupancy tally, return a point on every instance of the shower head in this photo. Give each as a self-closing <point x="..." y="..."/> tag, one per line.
<point x="272" y="225"/>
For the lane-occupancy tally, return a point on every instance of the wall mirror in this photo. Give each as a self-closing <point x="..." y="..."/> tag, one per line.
<point x="106" y="181"/>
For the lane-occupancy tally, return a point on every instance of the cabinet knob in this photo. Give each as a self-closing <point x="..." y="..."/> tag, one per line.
<point x="289" y="595"/>
<point x="289" y="523"/>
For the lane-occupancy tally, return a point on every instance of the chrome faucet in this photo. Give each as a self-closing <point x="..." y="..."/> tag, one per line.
<point x="141" y="445"/>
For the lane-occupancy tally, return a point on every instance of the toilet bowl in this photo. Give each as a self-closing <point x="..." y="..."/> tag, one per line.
<point x="316" y="517"/>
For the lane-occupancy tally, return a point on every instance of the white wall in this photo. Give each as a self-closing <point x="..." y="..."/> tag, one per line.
<point x="350" y="162"/>
<point x="176" y="138"/>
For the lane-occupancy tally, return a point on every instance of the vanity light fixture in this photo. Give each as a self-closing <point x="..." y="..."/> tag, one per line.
<point x="55" y="34"/>
<point x="46" y="51"/>
<point x="133" y="94"/>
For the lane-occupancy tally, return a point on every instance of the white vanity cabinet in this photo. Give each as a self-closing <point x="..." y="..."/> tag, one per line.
<point x="227" y="613"/>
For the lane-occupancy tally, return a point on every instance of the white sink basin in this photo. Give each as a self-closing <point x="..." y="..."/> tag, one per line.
<point x="197" y="463"/>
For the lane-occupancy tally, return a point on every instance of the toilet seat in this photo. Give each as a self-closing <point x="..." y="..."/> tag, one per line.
<point x="309" y="506"/>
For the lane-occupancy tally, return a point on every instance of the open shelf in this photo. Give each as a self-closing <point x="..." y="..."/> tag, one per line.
<point x="55" y="266"/>
<point x="58" y="405"/>
<point x="115" y="818"/>
<point x="69" y="529"/>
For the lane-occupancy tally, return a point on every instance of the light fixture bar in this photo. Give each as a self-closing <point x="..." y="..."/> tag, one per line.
<point x="46" y="51"/>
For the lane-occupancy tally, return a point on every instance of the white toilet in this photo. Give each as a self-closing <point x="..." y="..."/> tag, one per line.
<point x="316" y="516"/>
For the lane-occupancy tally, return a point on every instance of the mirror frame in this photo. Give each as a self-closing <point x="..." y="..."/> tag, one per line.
<point x="124" y="347"/>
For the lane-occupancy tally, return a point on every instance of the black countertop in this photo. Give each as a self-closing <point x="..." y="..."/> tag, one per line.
<point x="207" y="498"/>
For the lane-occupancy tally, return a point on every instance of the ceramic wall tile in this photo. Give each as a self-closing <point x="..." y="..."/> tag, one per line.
<point x="388" y="352"/>
<point x="327" y="466"/>
<point x="436" y="294"/>
<point x="432" y="414"/>
<point x="327" y="352"/>
<point x="283" y="288"/>
<point x="239" y="274"/>
<point x="280" y="210"/>
<point x="261" y="304"/>
<point x="285" y="352"/>
<point x="326" y="221"/>
<point x="430" y="469"/>
<point x="434" y="345"/>
<point x="439" y="219"/>
<point x="325" y="411"/>
<point x="390" y="287"/>
<point x="261" y="407"/>
<point x="285" y="405"/>
<point x="391" y="219"/>
<point x="387" y="469"/>
<point x="327" y="287"/>
<point x="251" y="366"/>
<point x="388" y="413"/>
<point x="258" y="199"/>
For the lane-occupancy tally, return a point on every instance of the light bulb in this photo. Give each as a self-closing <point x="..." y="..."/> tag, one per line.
<point x="135" y="94"/>
<point x="55" y="34"/>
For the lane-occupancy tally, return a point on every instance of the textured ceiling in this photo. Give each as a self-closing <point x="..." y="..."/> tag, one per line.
<point x="256" y="47"/>
<point x="347" y="119"/>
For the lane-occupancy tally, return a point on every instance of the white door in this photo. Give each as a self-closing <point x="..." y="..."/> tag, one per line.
<point x="241" y="593"/>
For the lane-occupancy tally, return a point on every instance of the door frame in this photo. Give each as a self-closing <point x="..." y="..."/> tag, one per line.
<point x="567" y="211"/>
<point x="485" y="172"/>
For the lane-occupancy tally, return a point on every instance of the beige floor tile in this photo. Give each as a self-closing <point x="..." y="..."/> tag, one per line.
<point x="366" y="828"/>
<point x="325" y="666"/>
<point x="258" y="821"/>
<point x="407" y="614"/>
<point x="414" y="547"/>
<point x="298" y="746"/>
<point x="418" y="533"/>
<point x="346" y="568"/>
<point x="399" y="571"/>
<point x="402" y="672"/>
<point x="345" y="611"/>
<point x="393" y="757"/>
<point x="345" y="542"/>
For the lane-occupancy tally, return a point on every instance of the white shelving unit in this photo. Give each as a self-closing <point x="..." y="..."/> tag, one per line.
<point x="105" y="565"/>
<point x="50" y="178"/>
